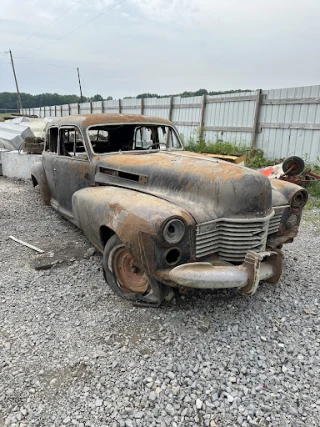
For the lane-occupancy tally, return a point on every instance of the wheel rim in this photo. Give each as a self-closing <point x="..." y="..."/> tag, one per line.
<point x="128" y="275"/>
<point x="293" y="167"/>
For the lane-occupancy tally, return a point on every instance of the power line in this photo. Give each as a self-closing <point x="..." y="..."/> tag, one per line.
<point x="45" y="63"/>
<point x="5" y="66"/>
<point x="49" y="23"/>
<point x="80" y="26"/>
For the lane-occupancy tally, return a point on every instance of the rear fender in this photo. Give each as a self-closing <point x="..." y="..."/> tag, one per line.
<point x="39" y="177"/>
<point x="136" y="218"/>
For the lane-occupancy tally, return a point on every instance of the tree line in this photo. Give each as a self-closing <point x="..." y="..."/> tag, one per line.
<point x="8" y="100"/>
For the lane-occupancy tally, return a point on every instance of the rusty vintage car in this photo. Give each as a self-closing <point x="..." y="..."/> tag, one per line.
<point x="161" y="216"/>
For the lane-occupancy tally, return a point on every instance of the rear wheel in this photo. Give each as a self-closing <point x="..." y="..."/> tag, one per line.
<point x="126" y="279"/>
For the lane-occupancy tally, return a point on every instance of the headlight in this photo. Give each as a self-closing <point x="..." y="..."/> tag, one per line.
<point x="298" y="200"/>
<point x="173" y="231"/>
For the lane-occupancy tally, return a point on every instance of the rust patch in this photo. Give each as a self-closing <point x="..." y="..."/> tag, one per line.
<point x="98" y="119"/>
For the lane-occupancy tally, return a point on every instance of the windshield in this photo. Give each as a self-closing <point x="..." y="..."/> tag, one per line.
<point x="128" y="137"/>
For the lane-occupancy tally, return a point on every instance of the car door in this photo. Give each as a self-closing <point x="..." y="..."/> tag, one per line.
<point x="71" y="168"/>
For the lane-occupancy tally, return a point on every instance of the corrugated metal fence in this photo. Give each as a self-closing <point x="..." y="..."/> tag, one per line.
<point x="282" y="122"/>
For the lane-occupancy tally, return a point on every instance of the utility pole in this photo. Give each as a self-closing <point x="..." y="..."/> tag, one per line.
<point x="80" y="85"/>
<point x="15" y="78"/>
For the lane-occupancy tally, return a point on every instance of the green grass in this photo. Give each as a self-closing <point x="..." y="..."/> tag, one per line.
<point x="2" y="115"/>
<point x="313" y="188"/>
<point x="254" y="156"/>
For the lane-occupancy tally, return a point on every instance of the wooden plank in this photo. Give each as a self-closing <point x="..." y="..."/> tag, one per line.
<point x="170" y="108"/>
<point x="228" y="128"/>
<point x="306" y="126"/>
<point x="202" y="113"/>
<point x="232" y="99"/>
<point x="27" y="244"/>
<point x="187" y="123"/>
<point x="169" y="118"/>
<point x="288" y="101"/>
<point x="203" y="109"/>
<point x="255" y="119"/>
<point x="131" y="107"/>
<point x="160" y="106"/>
<point x="197" y="105"/>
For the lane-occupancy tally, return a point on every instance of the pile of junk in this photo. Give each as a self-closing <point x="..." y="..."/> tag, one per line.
<point x="24" y="133"/>
<point x="292" y="170"/>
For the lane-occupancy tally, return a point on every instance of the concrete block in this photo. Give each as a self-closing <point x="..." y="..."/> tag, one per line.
<point x="18" y="165"/>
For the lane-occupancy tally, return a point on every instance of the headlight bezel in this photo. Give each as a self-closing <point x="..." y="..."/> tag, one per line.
<point x="298" y="200"/>
<point x="175" y="235"/>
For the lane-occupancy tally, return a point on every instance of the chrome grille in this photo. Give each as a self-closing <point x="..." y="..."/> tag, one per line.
<point x="231" y="239"/>
<point x="274" y="223"/>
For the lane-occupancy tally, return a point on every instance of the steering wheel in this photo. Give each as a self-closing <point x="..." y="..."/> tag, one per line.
<point x="157" y="143"/>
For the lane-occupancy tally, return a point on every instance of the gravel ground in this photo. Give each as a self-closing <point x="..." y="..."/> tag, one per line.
<point x="73" y="353"/>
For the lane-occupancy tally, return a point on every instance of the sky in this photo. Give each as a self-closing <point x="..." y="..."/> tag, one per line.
<point x="158" y="46"/>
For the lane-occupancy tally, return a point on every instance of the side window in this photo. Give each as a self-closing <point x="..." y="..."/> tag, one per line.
<point x="71" y="143"/>
<point x="52" y="140"/>
<point x="100" y="140"/>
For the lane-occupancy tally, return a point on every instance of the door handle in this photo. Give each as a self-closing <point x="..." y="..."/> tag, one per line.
<point x="55" y="169"/>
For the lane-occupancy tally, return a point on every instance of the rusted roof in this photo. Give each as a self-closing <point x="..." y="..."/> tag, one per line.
<point x="97" y="119"/>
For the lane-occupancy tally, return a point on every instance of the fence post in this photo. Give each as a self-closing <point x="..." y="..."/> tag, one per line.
<point x="170" y="108"/>
<point x="142" y="105"/>
<point x="119" y="106"/>
<point x="69" y="109"/>
<point x="102" y="107"/>
<point x="55" y="111"/>
<point x="169" y="118"/>
<point x="202" y="114"/>
<point x="256" y="119"/>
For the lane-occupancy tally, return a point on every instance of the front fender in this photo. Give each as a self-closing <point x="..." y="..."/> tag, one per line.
<point x="282" y="194"/>
<point x="136" y="218"/>
<point x="39" y="177"/>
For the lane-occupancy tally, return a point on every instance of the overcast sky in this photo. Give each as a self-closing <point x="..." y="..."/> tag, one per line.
<point x="159" y="46"/>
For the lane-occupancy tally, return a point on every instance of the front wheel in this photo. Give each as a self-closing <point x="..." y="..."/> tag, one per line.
<point x="126" y="279"/>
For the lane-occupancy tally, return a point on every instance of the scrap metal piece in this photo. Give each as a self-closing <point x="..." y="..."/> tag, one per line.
<point x="27" y="244"/>
<point x="256" y="270"/>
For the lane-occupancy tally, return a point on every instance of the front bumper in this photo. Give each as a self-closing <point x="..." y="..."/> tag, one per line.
<point x="257" y="266"/>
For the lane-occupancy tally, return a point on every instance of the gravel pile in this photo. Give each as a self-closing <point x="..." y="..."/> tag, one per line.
<point x="74" y="354"/>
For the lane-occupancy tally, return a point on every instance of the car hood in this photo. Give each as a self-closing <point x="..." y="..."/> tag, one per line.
<point x="206" y="187"/>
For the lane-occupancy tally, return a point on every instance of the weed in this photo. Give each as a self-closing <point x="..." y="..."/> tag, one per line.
<point x="255" y="159"/>
<point x="254" y="156"/>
